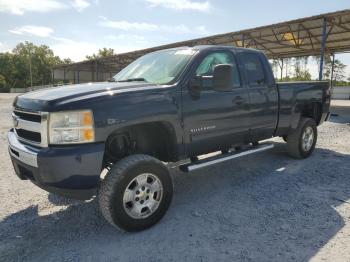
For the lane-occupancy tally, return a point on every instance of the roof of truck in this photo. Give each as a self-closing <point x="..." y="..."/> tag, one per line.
<point x="203" y="47"/>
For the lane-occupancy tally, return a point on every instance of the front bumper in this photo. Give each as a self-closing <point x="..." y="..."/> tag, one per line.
<point x="72" y="171"/>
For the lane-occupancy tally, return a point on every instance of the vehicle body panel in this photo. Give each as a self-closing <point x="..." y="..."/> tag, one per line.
<point x="296" y="95"/>
<point x="214" y="120"/>
<point x="263" y="101"/>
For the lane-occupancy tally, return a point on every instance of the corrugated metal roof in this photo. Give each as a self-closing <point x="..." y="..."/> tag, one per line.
<point x="300" y="37"/>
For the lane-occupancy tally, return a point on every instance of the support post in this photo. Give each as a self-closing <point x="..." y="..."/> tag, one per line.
<point x="96" y="71"/>
<point x="78" y="77"/>
<point x="324" y="39"/>
<point x="281" y="66"/>
<point x="332" y="70"/>
<point x="93" y="72"/>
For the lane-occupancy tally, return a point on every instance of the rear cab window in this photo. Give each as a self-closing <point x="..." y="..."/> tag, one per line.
<point x="254" y="69"/>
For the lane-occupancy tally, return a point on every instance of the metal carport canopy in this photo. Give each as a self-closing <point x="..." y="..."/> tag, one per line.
<point x="300" y="37"/>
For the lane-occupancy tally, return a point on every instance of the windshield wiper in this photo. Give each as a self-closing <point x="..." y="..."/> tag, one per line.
<point x="140" y="79"/>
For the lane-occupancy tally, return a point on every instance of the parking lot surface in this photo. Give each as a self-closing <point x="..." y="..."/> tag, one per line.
<point x="265" y="207"/>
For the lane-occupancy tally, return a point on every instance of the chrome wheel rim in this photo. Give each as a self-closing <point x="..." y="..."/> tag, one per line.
<point x="307" y="138"/>
<point x="142" y="196"/>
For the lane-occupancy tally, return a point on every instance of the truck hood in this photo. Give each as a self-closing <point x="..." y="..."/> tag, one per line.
<point x="37" y="100"/>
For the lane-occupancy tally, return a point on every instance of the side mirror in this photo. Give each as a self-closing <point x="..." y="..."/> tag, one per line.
<point x="223" y="77"/>
<point x="195" y="86"/>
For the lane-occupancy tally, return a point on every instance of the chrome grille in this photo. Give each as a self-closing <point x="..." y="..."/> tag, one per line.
<point x="30" y="127"/>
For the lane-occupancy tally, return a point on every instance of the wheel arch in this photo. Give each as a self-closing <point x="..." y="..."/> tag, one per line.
<point x="312" y="110"/>
<point x="306" y="110"/>
<point x="157" y="138"/>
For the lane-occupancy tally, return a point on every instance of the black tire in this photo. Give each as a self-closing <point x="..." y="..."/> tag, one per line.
<point x="112" y="190"/>
<point x="295" y="141"/>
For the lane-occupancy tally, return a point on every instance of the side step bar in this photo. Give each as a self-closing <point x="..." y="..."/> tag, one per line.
<point x="224" y="157"/>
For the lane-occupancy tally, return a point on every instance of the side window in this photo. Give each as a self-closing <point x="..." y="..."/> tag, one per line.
<point x="206" y="67"/>
<point x="254" y="69"/>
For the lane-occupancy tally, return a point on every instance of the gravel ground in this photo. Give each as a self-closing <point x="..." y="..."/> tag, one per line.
<point x="266" y="207"/>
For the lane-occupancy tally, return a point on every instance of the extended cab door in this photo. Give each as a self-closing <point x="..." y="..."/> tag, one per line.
<point x="263" y="94"/>
<point x="216" y="119"/>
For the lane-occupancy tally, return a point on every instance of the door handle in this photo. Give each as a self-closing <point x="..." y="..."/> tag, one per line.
<point x="238" y="100"/>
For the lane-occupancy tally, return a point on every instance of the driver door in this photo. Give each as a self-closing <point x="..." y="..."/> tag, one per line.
<point x="217" y="119"/>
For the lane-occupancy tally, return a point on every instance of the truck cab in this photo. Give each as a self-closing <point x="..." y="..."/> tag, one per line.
<point x="243" y="111"/>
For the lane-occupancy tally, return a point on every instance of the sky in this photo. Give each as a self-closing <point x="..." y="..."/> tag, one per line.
<point x="76" y="28"/>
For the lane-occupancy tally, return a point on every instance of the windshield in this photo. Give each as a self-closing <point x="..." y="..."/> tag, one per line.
<point x="157" y="68"/>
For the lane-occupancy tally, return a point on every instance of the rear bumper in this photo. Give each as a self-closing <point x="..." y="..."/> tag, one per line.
<point x="72" y="171"/>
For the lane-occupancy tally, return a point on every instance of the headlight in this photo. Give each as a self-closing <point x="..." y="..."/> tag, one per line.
<point x="71" y="127"/>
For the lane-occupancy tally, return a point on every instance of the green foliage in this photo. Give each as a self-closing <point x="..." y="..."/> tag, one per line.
<point x="301" y="73"/>
<point x="2" y="81"/>
<point x="295" y="69"/>
<point x="3" y="88"/>
<point x="105" y="52"/>
<point x="292" y="69"/>
<point x="342" y="83"/>
<point x="338" y="71"/>
<point x="28" y="65"/>
<point x="67" y="61"/>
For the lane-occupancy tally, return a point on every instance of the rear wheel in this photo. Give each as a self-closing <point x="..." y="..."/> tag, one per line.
<point x="301" y="143"/>
<point x="136" y="193"/>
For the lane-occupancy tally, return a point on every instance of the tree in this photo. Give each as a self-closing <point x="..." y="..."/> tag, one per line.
<point x="38" y="61"/>
<point x="295" y="69"/>
<point x="338" y="71"/>
<point x="28" y="65"/>
<point x="287" y="63"/>
<point x="301" y="73"/>
<point x="67" y="61"/>
<point x="275" y="67"/>
<point x="104" y="52"/>
<point x="3" y="87"/>
<point x="8" y="69"/>
<point x="2" y="82"/>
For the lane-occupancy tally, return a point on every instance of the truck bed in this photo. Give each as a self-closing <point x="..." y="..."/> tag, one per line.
<point x="294" y="97"/>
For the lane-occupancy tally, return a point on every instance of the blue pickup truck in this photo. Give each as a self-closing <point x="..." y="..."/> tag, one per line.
<point x="167" y="107"/>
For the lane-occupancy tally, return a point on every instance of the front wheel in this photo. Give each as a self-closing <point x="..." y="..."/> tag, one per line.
<point x="136" y="193"/>
<point x="301" y="143"/>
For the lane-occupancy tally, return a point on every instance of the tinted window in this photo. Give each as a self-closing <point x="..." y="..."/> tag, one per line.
<point x="206" y="68"/>
<point x="254" y="69"/>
